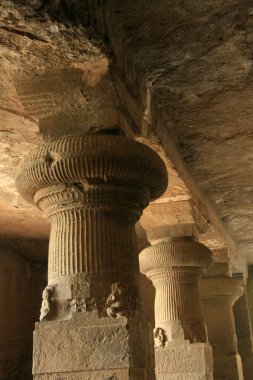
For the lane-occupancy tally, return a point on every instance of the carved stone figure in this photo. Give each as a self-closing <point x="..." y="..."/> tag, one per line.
<point x="117" y="302"/>
<point x="47" y="300"/>
<point x="159" y="337"/>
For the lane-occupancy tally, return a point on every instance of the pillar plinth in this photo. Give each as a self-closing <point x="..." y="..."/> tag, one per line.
<point x="174" y="264"/>
<point x="219" y="295"/>
<point x="93" y="190"/>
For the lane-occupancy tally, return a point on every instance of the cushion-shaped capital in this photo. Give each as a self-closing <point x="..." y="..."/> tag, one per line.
<point x="93" y="158"/>
<point x="221" y="286"/>
<point x="166" y="255"/>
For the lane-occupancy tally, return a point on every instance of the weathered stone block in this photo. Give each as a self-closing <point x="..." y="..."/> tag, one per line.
<point x="184" y="361"/>
<point x="111" y="348"/>
<point x="117" y="374"/>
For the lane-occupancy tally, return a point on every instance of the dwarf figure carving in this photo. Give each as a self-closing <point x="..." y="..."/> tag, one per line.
<point x="117" y="302"/>
<point x="159" y="337"/>
<point x="46" y="302"/>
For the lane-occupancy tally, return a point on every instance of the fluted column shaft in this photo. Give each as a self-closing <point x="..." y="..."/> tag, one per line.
<point x="176" y="291"/>
<point x="175" y="267"/>
<point x="93" y="239"/>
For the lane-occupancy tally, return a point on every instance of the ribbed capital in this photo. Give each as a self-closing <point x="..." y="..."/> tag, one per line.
<point x="93" y="160"/>
<point x="217" y="288"/>
<point x="178" y="254"/>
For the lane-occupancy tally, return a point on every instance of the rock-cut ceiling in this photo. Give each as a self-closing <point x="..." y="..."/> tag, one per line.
<point x="177" y="74"/>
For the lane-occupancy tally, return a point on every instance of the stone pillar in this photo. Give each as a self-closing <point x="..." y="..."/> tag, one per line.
<point x="93" y="189"/>
<point x="249" y="290"/>
<point x="244" y="334"/>
<point x="174" y="263"/>
<point x="219" y="294"/>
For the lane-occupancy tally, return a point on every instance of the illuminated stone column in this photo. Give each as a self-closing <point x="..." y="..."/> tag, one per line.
<point x="219" y="294"/>
<point x="93" y="189"/>
<point x="174" y="264"/>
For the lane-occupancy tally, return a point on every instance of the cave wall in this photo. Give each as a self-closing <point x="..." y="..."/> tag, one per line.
<point x="21" y="284"/>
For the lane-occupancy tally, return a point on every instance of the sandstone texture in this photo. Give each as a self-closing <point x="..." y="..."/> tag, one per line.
<point x="119" y="374"/>
<point x="36" y="42"/>
<point x="186" y="68"/>
<point x="88" y="343"/>
<point x="174" y="75"/>
<point x="184" y="361"/>
<point x="93" y="188"/>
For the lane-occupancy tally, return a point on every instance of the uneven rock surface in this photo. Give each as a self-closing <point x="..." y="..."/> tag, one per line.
<point x="187" y="67"/>
<point x="173" y="74"/>
<point x="36" y="38"/>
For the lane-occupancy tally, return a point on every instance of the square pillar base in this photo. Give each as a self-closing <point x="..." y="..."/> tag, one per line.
<point x="183" y="360"/>
<point x="87" y="347"/>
